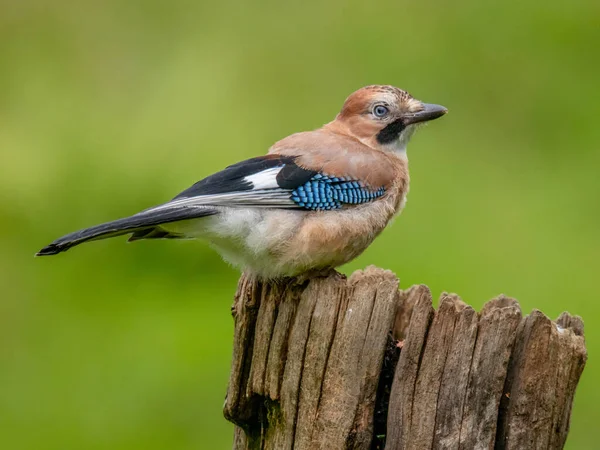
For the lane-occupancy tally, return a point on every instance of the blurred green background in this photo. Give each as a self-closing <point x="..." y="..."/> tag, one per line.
<point x="110" y="107"/>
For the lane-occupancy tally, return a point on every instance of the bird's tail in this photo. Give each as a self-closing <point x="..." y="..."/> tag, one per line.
<point x="146" y="220"/>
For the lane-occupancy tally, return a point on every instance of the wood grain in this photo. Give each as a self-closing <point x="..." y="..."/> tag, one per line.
<point x="336" y="363"/>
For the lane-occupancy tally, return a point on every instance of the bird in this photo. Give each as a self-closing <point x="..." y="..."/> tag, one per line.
<point x="315" y="201"/>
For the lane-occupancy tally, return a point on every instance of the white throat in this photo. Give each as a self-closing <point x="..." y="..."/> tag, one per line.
<point x="398" y="147"/>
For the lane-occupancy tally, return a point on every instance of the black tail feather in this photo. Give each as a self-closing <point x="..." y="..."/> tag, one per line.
<point x="152" y="233"/>
<point x="139" y="222"/>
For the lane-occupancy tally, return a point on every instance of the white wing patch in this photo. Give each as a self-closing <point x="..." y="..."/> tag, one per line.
<point x="267" y="179"/>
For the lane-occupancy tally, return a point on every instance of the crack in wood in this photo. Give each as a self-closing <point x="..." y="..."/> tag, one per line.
<point x="315" y="366"/>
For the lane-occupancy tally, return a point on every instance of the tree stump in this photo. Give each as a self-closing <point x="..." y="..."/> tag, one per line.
<point x="335" y="363"/>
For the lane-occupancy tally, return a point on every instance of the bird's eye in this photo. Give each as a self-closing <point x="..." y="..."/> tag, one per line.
<point x="380" y="111"/>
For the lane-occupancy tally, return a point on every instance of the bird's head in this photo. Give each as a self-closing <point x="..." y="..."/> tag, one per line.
<point x="384" y="117"/>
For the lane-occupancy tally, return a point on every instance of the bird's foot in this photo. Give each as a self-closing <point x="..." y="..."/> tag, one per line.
<point x="317" y="273"/>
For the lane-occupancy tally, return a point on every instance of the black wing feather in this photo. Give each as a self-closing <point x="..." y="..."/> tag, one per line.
<point x="232" y="178"/>
<point x="293" y="176"/>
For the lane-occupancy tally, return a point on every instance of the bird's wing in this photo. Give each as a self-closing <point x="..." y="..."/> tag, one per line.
<point x="273" y="181"/>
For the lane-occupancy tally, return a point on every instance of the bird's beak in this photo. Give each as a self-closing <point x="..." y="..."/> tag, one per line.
<point x="429" y="112"/>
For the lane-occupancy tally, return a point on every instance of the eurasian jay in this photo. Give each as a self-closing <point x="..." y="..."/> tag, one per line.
<point x="316" y="201"/>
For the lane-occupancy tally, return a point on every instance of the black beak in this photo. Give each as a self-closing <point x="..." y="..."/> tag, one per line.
<point x="429" y="112"/>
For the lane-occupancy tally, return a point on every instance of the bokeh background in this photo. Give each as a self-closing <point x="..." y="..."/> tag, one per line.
<point x="110" y="107"/>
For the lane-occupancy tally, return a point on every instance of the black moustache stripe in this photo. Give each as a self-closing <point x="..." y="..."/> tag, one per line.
<point x="391" y="132"/>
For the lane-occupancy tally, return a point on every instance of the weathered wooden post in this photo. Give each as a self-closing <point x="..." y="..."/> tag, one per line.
<point x="336" y="363"/>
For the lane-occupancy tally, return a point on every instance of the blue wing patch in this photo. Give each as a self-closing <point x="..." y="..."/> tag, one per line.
<point x="323" y="192"/>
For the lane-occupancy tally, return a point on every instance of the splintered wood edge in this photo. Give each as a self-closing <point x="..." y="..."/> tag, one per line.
<point x="549" y="356"/>
<point x="453" y="380"/>
<point x="301" y="348"/>
<point x="291" y="349"/>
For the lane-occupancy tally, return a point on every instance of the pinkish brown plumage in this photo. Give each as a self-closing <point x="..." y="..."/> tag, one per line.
<point x="316" y="201"/>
